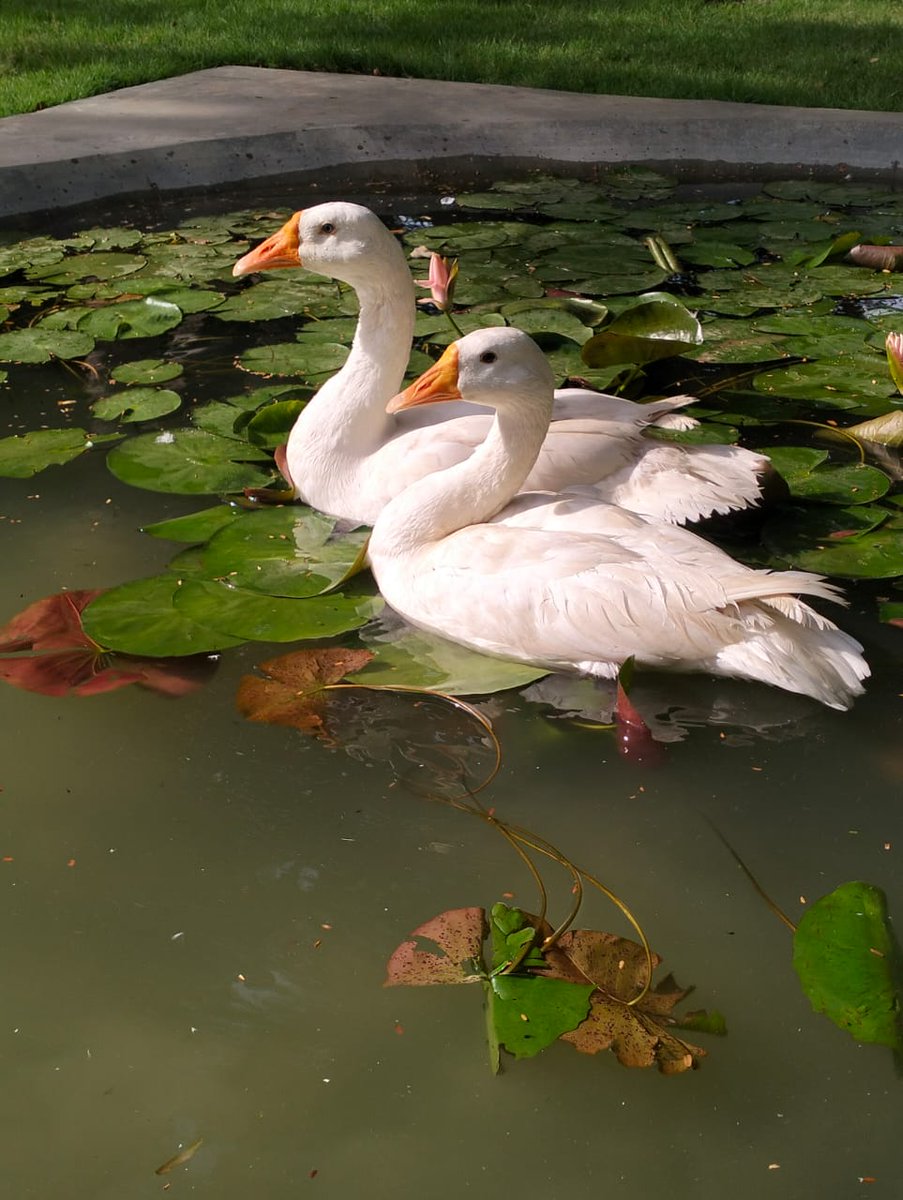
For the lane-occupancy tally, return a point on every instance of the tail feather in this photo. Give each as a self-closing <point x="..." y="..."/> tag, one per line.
<point x="814" y="658"/>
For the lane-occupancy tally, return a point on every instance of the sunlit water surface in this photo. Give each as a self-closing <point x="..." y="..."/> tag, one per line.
<point x="198" y="912"/>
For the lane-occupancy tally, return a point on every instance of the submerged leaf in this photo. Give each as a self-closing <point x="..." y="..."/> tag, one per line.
<point x="293" y="692"/>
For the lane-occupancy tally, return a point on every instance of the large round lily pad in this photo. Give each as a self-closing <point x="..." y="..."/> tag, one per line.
<point x="189" y="461"/>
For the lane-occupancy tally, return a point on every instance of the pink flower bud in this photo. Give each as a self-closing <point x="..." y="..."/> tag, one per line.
<point x="441" y="280"/>
<point x="894" y="346"/>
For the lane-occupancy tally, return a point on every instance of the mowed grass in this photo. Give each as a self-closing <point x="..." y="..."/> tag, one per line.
<point x="824" y="53"/>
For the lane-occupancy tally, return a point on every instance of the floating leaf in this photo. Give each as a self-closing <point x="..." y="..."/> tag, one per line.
<point x="809" y="479"/>
<point x="459" y="934"/>
<point x="293" y="692"/>
<point x="195" y="527"/>
<point x="529" y="1013"/>
<point x="649" y="330"/>
<point x="252" y="616"/>
<point x="106" y="265"/>
<point x="137" y="404"/>
<point x="294" y="358"/>
<point x="188" y="462"/>
<point x="37" y="345"/>
<point x="146" y="371"/>
<point x="289" y="551"/>
<point x="407" y="657"/>
<point x="886" y="430"/>
<point x="848" y="962"/>
<point x="271" y="425"/>
<point x="141" y="618"/>
<point x="131" y="319"/>
<point x="25" y="454"/>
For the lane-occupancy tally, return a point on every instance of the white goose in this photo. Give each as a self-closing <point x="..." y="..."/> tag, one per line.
<point x="574" y="584"/>
<point x="346" y="456"/>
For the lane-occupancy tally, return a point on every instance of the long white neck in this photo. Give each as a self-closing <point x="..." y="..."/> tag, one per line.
<point x="470" y="492"/>
<point x="347" y="416"/>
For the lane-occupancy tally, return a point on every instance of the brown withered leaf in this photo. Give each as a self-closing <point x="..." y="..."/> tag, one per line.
<point x="458" y="933"/>
<point x="293" y="694"/>
<point x="638" y="1034"/>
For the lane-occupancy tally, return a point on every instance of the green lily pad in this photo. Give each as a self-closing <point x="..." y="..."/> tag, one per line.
<point x="146" y="371"/>
<point x="141" y="618"/>
<point x="809" y="479"/>
<point x="528" y="1013"/>
<point x="195" y="527"/>
<point x="848" y="962"/>
<point x="290" y="295"/>
<point x="106" y="265"/>
<point x="408" y="657"/>
<point x="189" y="462"/>
<point x="271" y="425"/>
<point x="25" y="454"/>
<point x="131" y="319"/>
<point x="289" y="551"/>
<point x="799" y="530"/>
<point x="36" y="345"/>
<point x="219" y="418"/>
<point x="252" y="616"/>
<point x="137" y="404"/>
<point x="310" y="360"/>
<point x="841" y="382"/>
<point x="651" y="329"/>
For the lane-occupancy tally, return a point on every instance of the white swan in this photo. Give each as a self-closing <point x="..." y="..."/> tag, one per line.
<point x="574" y="584"/>
<point x="348" y="457"/>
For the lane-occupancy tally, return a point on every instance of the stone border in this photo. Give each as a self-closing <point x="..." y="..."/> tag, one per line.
<point x="232" y="125"/>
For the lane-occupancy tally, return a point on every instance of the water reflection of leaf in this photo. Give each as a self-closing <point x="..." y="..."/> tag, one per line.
<point x="428" y="741"/>
<point x="65" y="661"/>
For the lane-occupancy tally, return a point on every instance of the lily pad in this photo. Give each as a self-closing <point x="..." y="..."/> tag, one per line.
<point x="25" y="454"/>
<point x="195" y="527"/>
<point x="252" y="616"/>
<point x="106" y="265"/>
<point x="141" y="618"/>
<point x="137" y="404"/>
<point x="146" y="371"/>
<point x="310" y="360"/>
<point x="37" y="345"/>
<point x="408" y="657"/>
<point x="189" y="462"/>
<point x="848" y="962"/>
<point x="287" y="551"/>
<point x="651" y="329"/>
<point x="809" y="479"/>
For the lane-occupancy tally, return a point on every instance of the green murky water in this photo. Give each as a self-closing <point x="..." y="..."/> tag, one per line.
<point x="198" y="912"/>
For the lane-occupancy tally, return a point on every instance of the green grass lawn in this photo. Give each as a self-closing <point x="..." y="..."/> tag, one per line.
<point x="834" y="53"/>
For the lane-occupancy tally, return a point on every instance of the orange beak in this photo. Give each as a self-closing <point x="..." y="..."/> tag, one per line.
<point x="280" y="250"/>
<point x="440" y="382"/>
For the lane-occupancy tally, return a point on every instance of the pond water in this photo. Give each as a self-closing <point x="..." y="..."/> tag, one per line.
<point x="199" y="911"/>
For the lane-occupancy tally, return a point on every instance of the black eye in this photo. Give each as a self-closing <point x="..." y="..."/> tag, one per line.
<point x="327" y="228"/>
<point x="489" y="357"/>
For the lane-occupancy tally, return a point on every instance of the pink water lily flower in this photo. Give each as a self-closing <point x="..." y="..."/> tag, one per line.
<point x="894" y="345"/>
<point x="441" y="280"/>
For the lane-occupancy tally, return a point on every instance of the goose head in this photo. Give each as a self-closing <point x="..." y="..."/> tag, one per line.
<point x="502" y="369"/>
<point x="339" y="239"/>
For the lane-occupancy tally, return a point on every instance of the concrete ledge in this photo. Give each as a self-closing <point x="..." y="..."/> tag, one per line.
<point x="222" y="127"/>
